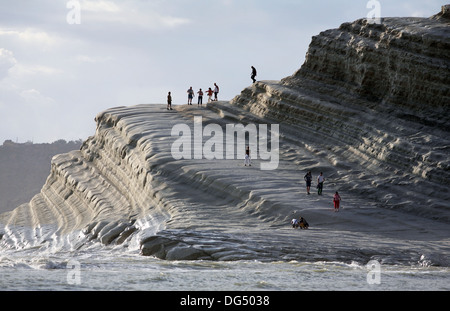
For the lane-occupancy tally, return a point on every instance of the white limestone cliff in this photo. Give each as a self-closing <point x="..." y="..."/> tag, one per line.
<point x="369" y="108"/>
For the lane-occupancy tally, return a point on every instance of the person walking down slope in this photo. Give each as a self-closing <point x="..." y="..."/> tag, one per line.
<point x="336" y="201"/>
<point x="320" y="181"/>
<point x="247" y="157"/>
<point x="253" y="74"/>
<point x="200" y="97"/>
<point x="308" y="179"/>
<point x="169" y="101"/>
<point x="190" y="95"/>
<point x="216" y="91"/>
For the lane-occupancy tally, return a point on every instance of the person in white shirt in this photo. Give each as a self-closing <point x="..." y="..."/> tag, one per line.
<point x="248" y="159"/>
<point x="320" y="181"/>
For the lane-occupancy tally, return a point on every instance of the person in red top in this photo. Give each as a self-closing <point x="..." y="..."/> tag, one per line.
<point x="209" y="92"/>
<point x="336" y="201"/>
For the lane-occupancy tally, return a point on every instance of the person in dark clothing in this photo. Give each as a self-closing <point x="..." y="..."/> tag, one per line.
<point x="303" y="224"/>
<point x="253" y="74"/>
<point x="308" y="179"/>
<point x="190" y="95"/>
<point x="216" y="91"/>
<point x="169" y="102"/>
<point x="200" y="97"/>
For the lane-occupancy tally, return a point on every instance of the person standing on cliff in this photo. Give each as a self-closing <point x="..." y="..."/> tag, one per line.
<point x="216" y="91"/>
<point x="169" y="101"/>
<point x="209" y="92"/>
<point x="308" y="179"/>
<point x="190" y="95"/>
<point x="253" y="74"/>
<point x="320" y="181"/>
<point x="200" y="97"/>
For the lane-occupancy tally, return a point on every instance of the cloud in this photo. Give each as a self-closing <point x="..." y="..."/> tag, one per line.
<point x="80" y="59"/>
<point x="143" y="15"/>
<point x="7" y="61"/>
<point x="21" y="70"/>
<point x="30" y="36"/>
<point x="11" y="68"/>
<point x="35" y="97"/>
<point x="99" y="6"/>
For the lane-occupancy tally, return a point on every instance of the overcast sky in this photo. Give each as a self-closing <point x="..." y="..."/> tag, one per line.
<point x="58" y="72"/>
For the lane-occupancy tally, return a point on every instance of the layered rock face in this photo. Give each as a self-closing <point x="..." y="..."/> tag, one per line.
<point x="369" y="108"/>
<point x="377" y="95"/>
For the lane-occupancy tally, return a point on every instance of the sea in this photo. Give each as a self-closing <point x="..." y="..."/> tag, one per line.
<point x="103" y="268"/>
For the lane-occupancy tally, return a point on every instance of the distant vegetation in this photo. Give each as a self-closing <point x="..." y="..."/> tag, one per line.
<point x="24" y="168"/>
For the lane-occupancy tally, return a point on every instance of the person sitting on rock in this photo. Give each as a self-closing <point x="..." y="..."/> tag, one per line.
<point x="303" y="224"/>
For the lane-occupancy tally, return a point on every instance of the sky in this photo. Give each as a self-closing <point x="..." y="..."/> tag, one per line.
<point x="64" y="61"/>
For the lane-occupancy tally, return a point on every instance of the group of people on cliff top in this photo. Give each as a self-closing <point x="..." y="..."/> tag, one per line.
<point x="209" y="92"/>
<point x="200" y="93"/>
<point x="191" y="96"/>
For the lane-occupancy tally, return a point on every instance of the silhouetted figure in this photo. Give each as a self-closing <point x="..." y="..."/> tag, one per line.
<point x="200" y="97"/>
<point x="253" y="74"/>
<point x="169" y="101"/>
